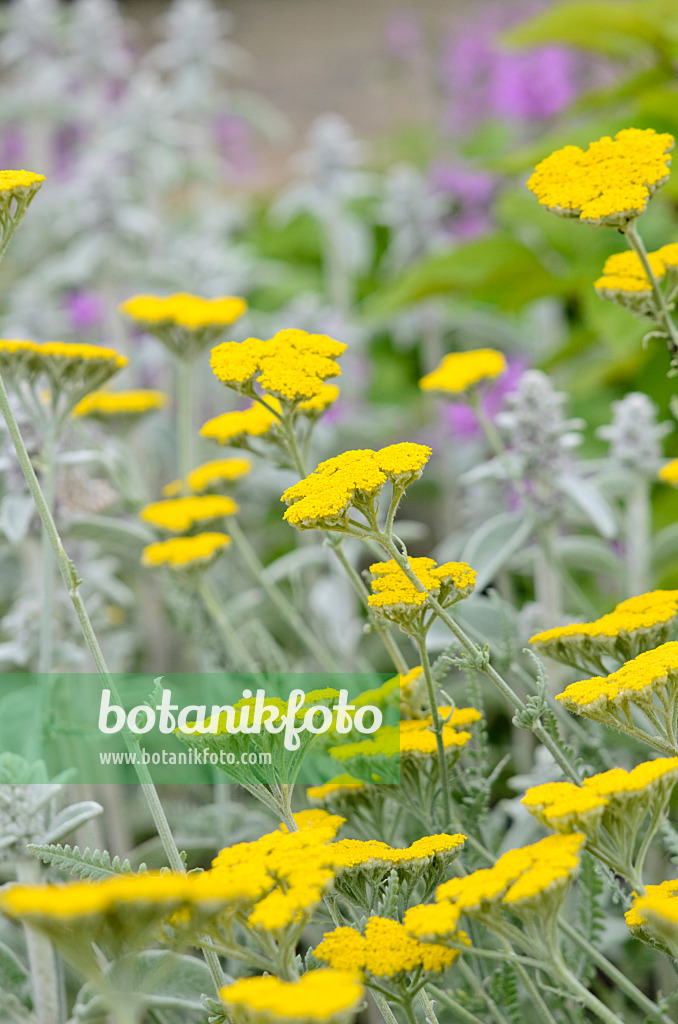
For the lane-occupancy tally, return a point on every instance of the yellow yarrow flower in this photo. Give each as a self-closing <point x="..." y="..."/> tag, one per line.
<point x="384" y="951"/>
<point x="349" y="854"/>
<point x="186" y="552"/>
<point x="610" y="183"/>
<point x="17" y="191"/>
<point x="396" y="598"/>
<point x="179" y="514"/>
<point x="339" y="786"/>
<point x="291" y="365"/>
<point x="233" y="428"/>
<point x="658" y="897"/>
<point x="529" y="880"/>
<point x="17" y="181"/>
<point x="625" y="282"/>
<point x="209" y="475"/>
<point x="315" y="817"/>
<point x="65" y="371"/>
<point x="649" y="682"/>
<point x="319" y="997"/>
<point x="324" y="498"/>
<point x="460" y="371"/>
<point x="108" y="404"/>
<point x="669" y="473"/>
<point x="184" y="323"/>
<point x="635" y="625"/>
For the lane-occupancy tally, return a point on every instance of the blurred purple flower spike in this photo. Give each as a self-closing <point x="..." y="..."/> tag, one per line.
<point x="459" y="416"/>
<point x="471" y="192"/>
<point x="85" y="310"/>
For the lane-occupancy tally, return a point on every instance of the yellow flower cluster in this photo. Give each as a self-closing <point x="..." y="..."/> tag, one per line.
<point x="42" y="353"/>
<point x="323" y="498"/>
<point x="179" y="514"/>
<point x="623" y="272"/>
<point x="209" y="475"/>
<point x="652" y="674"/>
<point x="635" y="624"/>
<point x="460" y="371"/>
<point x="184" y="310"/>
<point x="68" y="371"/>
<point x="567" y="807"/>
<point x="532" y="878"/>
<point x="105" y="404"/>
<point x="669" y="473"/>
<point x="609" y="183"/>
<point x="291" y="365"/>
<point x="338" y="786"/>
<point x="393" y="593"/>
<point x="234" y="427"/>
<point x="76" y="900"/>
<point x="352" y="854"/>
<point x="659" y="899"/>
<point x="185" y="552"/>
<point x="15" y="181"/>
<point x="413" y="737"/>
<point x="319" y="997"/>
<point x="385" y="950"/>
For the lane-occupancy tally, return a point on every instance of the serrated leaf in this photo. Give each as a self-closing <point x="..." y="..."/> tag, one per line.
<point x="88" y="864"/>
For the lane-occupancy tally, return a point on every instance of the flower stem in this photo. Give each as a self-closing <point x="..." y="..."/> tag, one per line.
<point x="41" y="958"/>
<point x="72" y="583"/>
<point x="234" y="647"/>
<point x="277" y="598"/>
<point x="638" y="533"/>
<point x="47" y="623"/>
<point x="437" y="728"/>
<point x="583" y="996"/>
<point x="663" y="316"/>
<point x="384" y="1008"/>
<point x="185" y="375"/>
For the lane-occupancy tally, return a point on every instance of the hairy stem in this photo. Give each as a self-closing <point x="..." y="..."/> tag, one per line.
<point x="663" y="316"/>
<point x="185" y="380"/>
<point x="437" y="728"/>
<point x="235" y="649"/>
<point x="41" y="957"/>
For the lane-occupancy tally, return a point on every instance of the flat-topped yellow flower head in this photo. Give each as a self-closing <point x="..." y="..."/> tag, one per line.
<point x="338" y="786"/>
<point x="292" y="365"/>
<point x="649" y="682"/>
<point x="180" y="514"/>
<point x="610" y="183"/>
<point x="668" y="474"/>
<point x="209" y="476"/>
<point x="654" y="916"/>
<point x="65" y="371"/>
<point x="459" y="372"/>
<point x="234" y="428"/>
<point x="625" y="281"/>
<point x="395" y="596"/>
<point x="635" y="625"/>
<point x="125" y="405"/>
<point x="355" y="478"/>
<point x="184" y="323"/>
<point x="17" y="191"/>
<point x="384" y="951"/>
<point x="324" y="996"/>
<point x="528" y="881"/>
<point x="18" y="181"/>
<point x="186" y="552"/>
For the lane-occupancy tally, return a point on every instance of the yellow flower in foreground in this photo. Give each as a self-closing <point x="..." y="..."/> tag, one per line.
<point x="460" y="371"/>
<point x="395" y="597"/>
<point x="235" y="427"/>
<point x="209" y="475"/>
<point x="179" y="514"/>
<point x="184" y="310"/>
<point x="385" y="950"/>
<point x="323" y="498"/>
<point x="609" y="183"/>
<point x="291" y="365"/>
<point x="669" y="473"/>
<point x="635" y="624"/>
<point x="649" y="682"/>
<point x="185" y="552"/>
<point x="319" y="997"/>
<point x="352" y="854"/>
<point x="105" y="404"/>
<point x="532" y="879"/>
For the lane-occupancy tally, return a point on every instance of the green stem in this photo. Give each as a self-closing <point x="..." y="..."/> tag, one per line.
<point x="233" y="646"/>
<point x="384" y="1008"/>
<point x="437" y="728"/>
<point x="47" y="623"/>
<point x="185" y="375"/>
<point x="277" y="598"/>
<point x="639" y="998"/>
<point x="460" y="1011"/>
<point x="382" y="630"/>
<point x="546" y="578"/>
<point x="638" y="537"/>
<point x="663" y="316"/>
<point x="72" y="583"/>
<point x="479" y="990"/>
<point x="41" y="957"/>
<point x="582" y="994"/>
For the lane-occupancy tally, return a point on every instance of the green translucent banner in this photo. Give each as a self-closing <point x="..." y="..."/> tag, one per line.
<point x="201" y="727"/>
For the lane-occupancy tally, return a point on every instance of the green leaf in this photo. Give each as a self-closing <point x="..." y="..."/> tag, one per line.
<point x="110" y="531"/>
<point x="159" y="979"/>
<point x="494" y="543"/>
<point x="615" y="29"/>
<point x="90" y="864"/>
<point x="13" y="975"/>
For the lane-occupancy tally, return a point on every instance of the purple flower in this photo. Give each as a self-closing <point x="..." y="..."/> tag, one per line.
<point x="471" y="194"/>
<point x="12" y="146"/>
<point x="234" y="138"/>
<point x="462" y="420"/>
<point x="85" y="310"/>
<point x="403" y="36"/>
